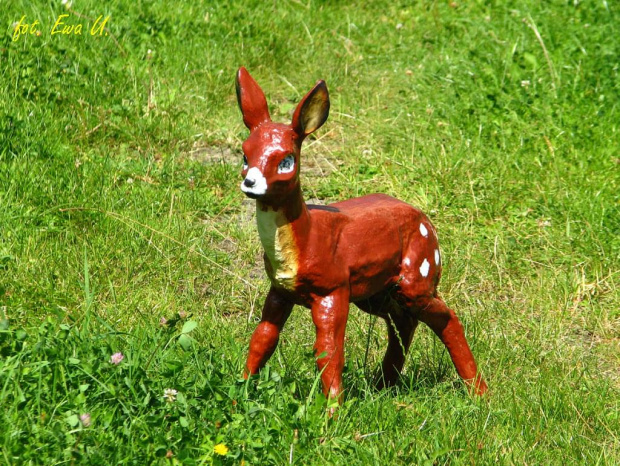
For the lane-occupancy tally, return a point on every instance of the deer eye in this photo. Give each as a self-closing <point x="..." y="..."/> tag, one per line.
<point x="245" y="162"/>
<point x="287" y="165"/>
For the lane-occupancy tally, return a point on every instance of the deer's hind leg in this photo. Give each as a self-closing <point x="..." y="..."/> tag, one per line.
<point x="401" y="326"/>
<point x="446" y="325"/>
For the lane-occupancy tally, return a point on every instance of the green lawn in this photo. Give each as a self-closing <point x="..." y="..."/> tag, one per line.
<point x="120" y="206"/>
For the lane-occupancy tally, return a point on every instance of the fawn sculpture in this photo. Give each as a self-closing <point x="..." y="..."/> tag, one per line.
<point x="374" y="251"/>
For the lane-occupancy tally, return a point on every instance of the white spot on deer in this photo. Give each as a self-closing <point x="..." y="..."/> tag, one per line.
<point x="437" y="258"/>
<point x="406" y="262"/>
<point x="424" y="268"/>
<point x="423" y="230"/>
<point x="255" y="183"/>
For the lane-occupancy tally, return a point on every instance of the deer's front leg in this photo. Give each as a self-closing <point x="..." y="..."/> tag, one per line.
<point x="265" y="338"/>
<point x="329" y="315"/>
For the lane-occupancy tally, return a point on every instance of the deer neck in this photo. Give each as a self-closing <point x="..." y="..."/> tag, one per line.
<point x="281" y="230"/>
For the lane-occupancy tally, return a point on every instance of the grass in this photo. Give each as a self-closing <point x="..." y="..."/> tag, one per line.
<point x="119" y="205"/>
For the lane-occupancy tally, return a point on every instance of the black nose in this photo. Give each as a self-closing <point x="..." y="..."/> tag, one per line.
<point x="249" y="183"/>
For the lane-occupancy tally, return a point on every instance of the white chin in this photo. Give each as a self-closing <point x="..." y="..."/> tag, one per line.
<point x="253" y="191"/>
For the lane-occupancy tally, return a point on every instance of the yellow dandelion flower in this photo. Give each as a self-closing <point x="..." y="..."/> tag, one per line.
<point x="220" y="449"/>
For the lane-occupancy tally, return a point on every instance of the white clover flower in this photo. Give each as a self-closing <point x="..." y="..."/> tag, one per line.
<point x="85" y="419"/>
<point x="116" y="358"/>
<point x="170" y="395"/>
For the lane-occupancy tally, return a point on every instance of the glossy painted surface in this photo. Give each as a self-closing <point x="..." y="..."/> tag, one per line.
<point x="375" y="251"/>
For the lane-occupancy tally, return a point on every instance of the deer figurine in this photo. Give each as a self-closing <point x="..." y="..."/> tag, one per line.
<point x="374" y="251"/>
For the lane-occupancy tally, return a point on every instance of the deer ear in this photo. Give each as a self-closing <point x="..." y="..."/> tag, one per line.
<point x="251" y="100"/>
<point x="312" y="111"/>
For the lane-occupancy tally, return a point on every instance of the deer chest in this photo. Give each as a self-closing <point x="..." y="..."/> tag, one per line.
<point x="281" y="251"/>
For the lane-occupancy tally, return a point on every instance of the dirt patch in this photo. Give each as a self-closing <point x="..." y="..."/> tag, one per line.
<point x="317" y="165"/>
<point x="604" y="352"/>
<point x="228" y="245"/>
<point x="315" y="201"/>
<point x="213" y="153"/>
<point x="318" y="156"/>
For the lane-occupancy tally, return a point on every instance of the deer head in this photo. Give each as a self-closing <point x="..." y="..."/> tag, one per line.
<point x="271" y="151"/>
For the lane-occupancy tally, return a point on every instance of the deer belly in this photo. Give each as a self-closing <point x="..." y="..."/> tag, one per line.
<point x="371" y="278"/>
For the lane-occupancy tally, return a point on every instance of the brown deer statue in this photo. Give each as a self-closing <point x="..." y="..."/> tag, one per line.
<point x="374" y="251"/>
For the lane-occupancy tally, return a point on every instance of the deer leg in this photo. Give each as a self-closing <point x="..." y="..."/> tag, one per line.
<point x="444" y="322"/>
<point x="401" y="328"/>
<point x="329" y="315"/>
<point x="276" y="311"/>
